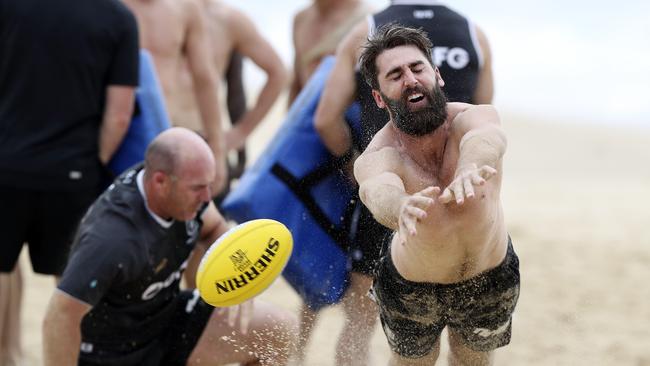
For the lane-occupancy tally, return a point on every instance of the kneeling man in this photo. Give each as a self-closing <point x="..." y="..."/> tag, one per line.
<point x="119" y="301"/>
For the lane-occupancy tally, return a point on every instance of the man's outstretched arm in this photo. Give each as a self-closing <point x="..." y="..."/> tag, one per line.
<point x="482" y="146"/>
<point x="382" y="190"/>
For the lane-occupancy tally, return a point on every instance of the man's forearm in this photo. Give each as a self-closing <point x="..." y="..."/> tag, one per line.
<point x="61" y="341"/>
<point x="208" y="103"/>
<point x="383" y="201"/>
<point x="111" y="134"/>
<point x="484" y="146"/>
<point x="207" y="99"/>
<point x="115" y="120"/>
<point x="336" y="135"/>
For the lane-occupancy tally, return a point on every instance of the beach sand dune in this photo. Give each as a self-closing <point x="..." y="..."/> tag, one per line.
<point x="576" y="200"/>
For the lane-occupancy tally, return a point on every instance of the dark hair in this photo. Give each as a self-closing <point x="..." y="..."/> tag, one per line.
<point x="386" y="37"/>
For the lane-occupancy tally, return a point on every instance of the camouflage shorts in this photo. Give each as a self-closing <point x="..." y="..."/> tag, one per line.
<point x="479" y="309"/>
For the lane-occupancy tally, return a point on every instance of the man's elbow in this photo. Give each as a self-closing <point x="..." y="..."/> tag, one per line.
<point x="121" y="121"/>
<point x="321" y="121"/>
<point x="278" y="75"/>
<point x="324" y="120"/>
<point x="364" y="193"/>
<point x="203" y="80"/>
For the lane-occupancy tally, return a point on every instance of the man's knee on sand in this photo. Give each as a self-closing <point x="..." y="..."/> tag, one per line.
<point x="269" y="339"/>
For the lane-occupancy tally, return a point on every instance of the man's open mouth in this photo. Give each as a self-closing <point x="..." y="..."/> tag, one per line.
<point x="414" y="98"/>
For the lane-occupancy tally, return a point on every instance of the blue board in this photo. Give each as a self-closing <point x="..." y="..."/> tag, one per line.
<point x="297" y="182"/>
<point x="149" y="119"/>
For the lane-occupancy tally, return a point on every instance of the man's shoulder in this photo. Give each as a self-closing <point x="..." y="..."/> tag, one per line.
<point x="121" y="205"/>
<point x="465" y="117"/>
<point x="382" y="146"/>
<point x="303" y="15"/>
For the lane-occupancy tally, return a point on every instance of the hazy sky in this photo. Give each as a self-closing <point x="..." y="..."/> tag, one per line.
<point x="582" y="61"/>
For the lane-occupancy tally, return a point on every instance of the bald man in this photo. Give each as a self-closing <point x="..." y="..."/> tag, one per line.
<point x="119" y="301"/>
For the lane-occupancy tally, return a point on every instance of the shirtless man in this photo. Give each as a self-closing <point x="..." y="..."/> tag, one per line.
<point x="174" y="32"/>
<point x="229" y="31"/>
<point x="462" y="55"/>
<point x="317" y="31"/>
<point x="433" y="175"/>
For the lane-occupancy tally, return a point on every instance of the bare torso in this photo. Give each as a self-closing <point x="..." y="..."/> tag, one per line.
<point x="163" y="26"/>
<point x="185" y="112"/>
<point x="453" y="243"/>
<point x="318" y="32"/>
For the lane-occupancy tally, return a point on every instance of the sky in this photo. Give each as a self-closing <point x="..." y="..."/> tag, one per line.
<point x="579" y="61"/>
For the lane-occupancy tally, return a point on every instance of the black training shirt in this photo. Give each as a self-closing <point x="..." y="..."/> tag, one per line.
<point x="56" y="59"/>
<point x="127" y="266"/>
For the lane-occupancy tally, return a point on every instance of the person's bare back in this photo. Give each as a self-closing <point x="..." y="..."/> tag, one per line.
<point x="183" y="109"/>
<point x="174" y="32"/>
<point x="230" y="30"/>
<point x="317" y="31"/>
<point x="163" y="29"/>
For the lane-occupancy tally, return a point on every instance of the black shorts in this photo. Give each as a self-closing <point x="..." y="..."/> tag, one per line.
<point x="479" y="309"/>
<point x="172" y="348"/>
<point x="365" y="248"/>
<point x="46" y="221"/>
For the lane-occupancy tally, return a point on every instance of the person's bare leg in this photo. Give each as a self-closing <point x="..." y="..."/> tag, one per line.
<point x="360" y="318"/>
<point x="11" y="293"/>
<point x="428" y="360"/>
<point x="308" y="318"/>
<point x="461" y="355"/>
<point x="268" y="341"/>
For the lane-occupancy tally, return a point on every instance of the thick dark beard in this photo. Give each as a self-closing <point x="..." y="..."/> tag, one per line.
<point x="423" y="121"/>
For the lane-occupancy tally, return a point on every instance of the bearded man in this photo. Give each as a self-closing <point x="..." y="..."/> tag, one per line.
<point x="433" y="175"/>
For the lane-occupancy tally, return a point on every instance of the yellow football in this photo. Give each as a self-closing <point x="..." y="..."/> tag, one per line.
<point x="243" y="262"/>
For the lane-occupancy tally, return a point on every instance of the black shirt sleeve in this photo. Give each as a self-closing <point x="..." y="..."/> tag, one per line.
<point x="124" y="67"/>
<point x="95" y="265"/>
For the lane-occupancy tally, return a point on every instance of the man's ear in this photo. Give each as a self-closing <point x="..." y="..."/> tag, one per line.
<point x="439" y="77"/>
<point x="378" y="99"/>
<point x="161" y="181"/>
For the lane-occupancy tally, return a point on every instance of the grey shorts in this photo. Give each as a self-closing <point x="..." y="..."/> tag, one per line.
<point x="479" y="309"/>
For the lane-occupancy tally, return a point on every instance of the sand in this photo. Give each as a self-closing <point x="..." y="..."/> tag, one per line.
<point x="576" y="201"/>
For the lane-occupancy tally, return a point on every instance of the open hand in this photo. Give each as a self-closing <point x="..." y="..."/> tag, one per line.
<point x="462" y="186"/>
<point x="413" y="209"/>
<point x="235" y="139"/>
<point x="239" y="316"/>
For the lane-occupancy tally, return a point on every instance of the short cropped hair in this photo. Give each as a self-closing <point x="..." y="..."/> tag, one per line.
<point x="160" y="156"/>
<point x="386" y="37"/>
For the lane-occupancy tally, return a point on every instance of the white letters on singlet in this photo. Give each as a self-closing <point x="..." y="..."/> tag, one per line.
<point x="456" y="57"/>
<point x="155" y="287"/>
